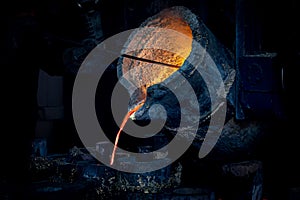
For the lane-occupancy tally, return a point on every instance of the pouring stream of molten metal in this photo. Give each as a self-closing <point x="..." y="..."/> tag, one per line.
<point x="129" y="113"/>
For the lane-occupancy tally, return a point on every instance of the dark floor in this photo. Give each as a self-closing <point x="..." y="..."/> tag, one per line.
<point x="79" y="177"/>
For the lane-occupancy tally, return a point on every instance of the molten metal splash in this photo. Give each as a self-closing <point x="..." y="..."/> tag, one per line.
<point x="129" y="113"/>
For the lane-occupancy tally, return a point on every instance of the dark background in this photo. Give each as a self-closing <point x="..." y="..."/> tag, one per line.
<point x="36" y="35"/>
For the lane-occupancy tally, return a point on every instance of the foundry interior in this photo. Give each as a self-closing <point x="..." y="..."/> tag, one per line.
<point x="210" y="85"/>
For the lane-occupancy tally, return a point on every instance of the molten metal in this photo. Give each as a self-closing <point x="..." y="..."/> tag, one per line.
<point x="146" y="67"/>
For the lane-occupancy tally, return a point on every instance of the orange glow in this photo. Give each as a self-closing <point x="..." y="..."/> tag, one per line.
<point x="146" y="74"/>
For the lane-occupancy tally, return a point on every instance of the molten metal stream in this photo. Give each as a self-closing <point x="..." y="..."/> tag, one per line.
<point x="121" y="128"/>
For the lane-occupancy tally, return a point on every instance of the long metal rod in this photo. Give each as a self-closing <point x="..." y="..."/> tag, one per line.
<point x="149" y="61"/>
